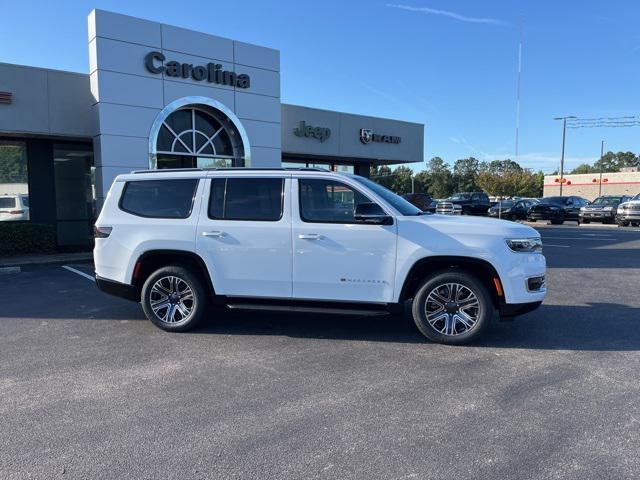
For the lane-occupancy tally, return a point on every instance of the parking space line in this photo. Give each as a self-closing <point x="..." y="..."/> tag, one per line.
<point x="85" y="275"/>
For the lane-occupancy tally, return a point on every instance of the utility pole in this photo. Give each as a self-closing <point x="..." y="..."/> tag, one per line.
<point x="601" y="156"/>
<point x="564" y="134"/>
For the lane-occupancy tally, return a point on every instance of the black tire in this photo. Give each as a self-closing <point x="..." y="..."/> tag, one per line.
<point x="586" y="222"/>
<point x="531" y="220"/>
<point x="635" y="224"/>
<point x="557" y="221"/>
<point x="196" y="306"/>
<point x="422" y="300"/>
<point x="622" y="223"/>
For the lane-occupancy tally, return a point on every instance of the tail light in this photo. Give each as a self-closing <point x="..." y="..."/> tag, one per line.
<point x="101" y="232"/>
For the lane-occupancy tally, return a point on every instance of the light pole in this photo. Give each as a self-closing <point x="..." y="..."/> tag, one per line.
<point x="564" y="134"/>
<point x="601" y="155"/>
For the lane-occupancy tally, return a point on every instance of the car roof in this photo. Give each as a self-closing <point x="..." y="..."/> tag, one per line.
<point x="215" y="172"/>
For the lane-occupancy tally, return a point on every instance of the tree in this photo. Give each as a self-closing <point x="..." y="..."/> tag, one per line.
<point x="382" y="175"/>
<point x="500" y="167"/>
<point x="582" y="168"/>
<point x="401" y="180"/>
<point x="465" y="171"/>
<point x="441" y="185"/>
<point x="613" y="162"/>
<point x="422" y="181"/>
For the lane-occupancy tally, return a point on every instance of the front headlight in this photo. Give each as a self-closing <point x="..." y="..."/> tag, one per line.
<point x="525" y="245"/>
<point x="582" y="209"/>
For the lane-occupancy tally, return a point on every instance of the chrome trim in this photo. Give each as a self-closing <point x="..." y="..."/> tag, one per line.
<point x="194" y="101"/>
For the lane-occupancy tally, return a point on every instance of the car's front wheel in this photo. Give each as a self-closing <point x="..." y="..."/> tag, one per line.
<point x="452" y="308"/>
<point x="174" y="299"/>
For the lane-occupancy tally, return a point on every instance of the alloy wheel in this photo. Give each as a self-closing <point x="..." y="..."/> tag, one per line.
<point x="452" y="309"/>
<point x="172" y="300"/>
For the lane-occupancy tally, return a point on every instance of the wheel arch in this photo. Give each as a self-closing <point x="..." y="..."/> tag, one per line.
<point x="481" y="269"/>
<point x="151" y="260"/>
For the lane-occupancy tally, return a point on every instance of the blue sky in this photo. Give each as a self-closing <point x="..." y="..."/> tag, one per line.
<point x="448" y="64"/>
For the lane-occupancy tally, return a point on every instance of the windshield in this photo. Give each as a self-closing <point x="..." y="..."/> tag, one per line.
<point x="637" y="197"/>
<point x="556" y="200"/>
<point x="397" y="202"/>
<point x="460" y="196"/>
<point x="606" y="201"/>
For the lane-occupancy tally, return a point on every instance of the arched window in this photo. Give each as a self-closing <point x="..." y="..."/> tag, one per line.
<point x="198" y="136"/>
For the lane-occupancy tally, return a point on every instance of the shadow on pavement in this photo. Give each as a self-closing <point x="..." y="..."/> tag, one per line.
<point x="598" y="326"/>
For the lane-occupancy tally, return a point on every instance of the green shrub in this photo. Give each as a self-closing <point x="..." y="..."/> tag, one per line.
<point x="17" y="238"/>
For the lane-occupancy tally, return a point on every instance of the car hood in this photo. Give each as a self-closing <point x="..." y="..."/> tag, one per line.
<point x="630" y="202"/>
<point x="474" y="226"/>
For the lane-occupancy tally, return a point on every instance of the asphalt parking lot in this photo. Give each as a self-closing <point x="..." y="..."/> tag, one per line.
<point x="90" y="389"/>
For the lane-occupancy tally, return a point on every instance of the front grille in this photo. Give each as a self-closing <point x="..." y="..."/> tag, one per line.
<point x="444" y="207"/>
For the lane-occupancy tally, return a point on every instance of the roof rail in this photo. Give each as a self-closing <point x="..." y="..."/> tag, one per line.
<point x="236" y="169"/>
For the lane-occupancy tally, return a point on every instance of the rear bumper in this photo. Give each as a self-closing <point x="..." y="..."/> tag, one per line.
<point x="510" y="310"/>
<point x="117" y="289"/>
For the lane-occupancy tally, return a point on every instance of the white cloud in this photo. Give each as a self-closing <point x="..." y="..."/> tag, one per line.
<point x="446" y="13"/>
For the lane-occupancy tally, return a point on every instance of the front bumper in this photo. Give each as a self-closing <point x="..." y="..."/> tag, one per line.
<point x="629" y="215"/>
<point x="544" y="215"/>
<point x="598" y="215"/>
<point x="118" y="289"/>
<point x="510" y="310"/>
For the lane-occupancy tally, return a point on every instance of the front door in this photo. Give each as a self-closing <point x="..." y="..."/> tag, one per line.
<point x="335" y="258"/>
<point x="244" y="235"/>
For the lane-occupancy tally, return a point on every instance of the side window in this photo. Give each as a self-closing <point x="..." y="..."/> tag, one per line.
<point x="475" y="197"/>
<point x="328" y="201"/>
<point x="258" y="199"/>
<point x="159" y="198"/>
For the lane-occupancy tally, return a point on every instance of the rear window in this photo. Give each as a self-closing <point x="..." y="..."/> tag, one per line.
<point x="159" y="198"/>
<point x="7" y="202"/>
<point x="258" y="199"/>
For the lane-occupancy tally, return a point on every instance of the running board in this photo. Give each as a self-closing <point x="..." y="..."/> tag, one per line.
<point x="305" y="309"/>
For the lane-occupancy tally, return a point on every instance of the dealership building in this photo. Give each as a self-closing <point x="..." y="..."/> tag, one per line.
<point x="159" y="96"/>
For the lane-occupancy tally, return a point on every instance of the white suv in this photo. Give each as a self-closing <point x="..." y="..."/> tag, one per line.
<point x="308" y="240"/>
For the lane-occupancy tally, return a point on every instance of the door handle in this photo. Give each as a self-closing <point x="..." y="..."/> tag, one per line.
<point x="214" y="234"/>
<point x="310" y="236"/>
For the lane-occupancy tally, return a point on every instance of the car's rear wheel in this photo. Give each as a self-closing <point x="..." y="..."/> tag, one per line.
<point x="586" y="222"/>
<point x="452" y="308"/>
<point x="174" y="299"/>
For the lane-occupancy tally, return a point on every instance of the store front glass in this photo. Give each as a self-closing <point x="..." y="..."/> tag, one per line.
<point x="14" y="182"/>
<point x="75" y="193"/>
<point x="197" y="136"/>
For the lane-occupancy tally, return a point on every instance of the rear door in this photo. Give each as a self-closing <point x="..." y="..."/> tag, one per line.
<point x="334" y="257"/>
<point x="244" y="235"/>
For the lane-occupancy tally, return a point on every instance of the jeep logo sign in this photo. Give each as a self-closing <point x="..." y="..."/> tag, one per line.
<point x="367" y="136"/>
<point x="212" y="72"/>
<point x="304" y="130"/>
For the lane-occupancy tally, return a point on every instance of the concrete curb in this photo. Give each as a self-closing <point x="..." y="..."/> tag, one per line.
<point x="45" y="260"/>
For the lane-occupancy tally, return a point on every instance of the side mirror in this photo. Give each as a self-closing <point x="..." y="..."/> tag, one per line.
<point x="372" y="214"/>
